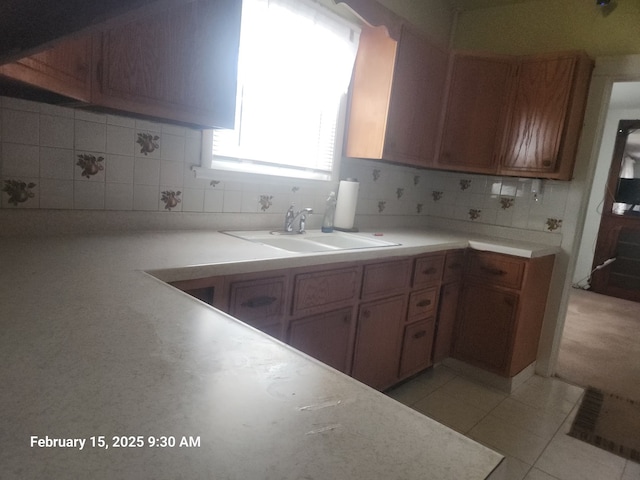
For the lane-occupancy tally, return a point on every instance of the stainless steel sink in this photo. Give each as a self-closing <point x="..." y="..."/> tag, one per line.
<point x="312" y="240"/>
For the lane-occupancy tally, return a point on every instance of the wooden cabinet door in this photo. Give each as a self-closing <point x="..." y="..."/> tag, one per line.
<point x="547" y="111"/>
<point x="178" y="64"/>
<point x="474" y="113"/>
<point x="446" y="321"/>
<point x="64" y="69"/>
<point x="377" y="346"/>
<point x="486" y="320"/>
<point x="416" y="101"/>
<point x="326" y="337"/>
<point x="416" y="347"/>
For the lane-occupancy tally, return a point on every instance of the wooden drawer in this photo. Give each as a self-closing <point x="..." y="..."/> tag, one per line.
<point x="453" y="266"/>
<point x="259" y="302"/>
<point x="324" y="290"/>
<point x="416" y="347"/>
<point x="428" y="270"/>
<point x="386" y="278"/>
<point x="496" y="269"/>
<point x="422" y="303"/>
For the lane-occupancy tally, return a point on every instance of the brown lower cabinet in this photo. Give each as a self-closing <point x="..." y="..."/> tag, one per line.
<point x="383" y="321"/>
<point x="377" y="347"/>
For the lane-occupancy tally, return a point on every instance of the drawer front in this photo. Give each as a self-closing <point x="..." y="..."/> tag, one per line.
<point x="428" y="270"/>
<point x="258" y="302"/>
<point x="386" y="278"/>
<point x="316" y="291"/>
<point x="453" y="266"/>
<point x="422" y="303"/>
<point x="496" y="269"/>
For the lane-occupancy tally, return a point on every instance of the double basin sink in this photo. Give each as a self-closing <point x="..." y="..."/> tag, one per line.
<point x="312" y="240"/>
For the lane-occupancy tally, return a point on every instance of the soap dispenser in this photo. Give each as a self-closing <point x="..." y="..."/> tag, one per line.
<point x="329" y="213"/>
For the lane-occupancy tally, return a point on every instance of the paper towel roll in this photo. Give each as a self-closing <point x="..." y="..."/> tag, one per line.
<point x="346" y="205"/>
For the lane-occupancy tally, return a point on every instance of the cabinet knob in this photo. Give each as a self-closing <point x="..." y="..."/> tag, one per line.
<point x="429" y="271"/>
<point x="257" y="302"/>
<point x="366" y="313"/>
<point x="546" y="163"/>
<point x="419" y="334"/>
<point x="424" y="303"/>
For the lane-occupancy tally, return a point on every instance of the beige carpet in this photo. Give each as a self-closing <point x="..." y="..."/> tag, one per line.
<point x="601" y="344"/>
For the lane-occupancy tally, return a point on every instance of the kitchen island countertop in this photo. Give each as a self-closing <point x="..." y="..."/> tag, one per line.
<point x="93" y="346"/>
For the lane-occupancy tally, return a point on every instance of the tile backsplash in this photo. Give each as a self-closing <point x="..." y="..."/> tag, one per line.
<point x="59" y="158"/>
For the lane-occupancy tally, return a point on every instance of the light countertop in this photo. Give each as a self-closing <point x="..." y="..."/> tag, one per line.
<point x="92" y="345"/>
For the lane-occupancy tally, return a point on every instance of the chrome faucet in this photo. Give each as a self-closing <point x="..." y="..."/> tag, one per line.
<point x="290" y="217"/>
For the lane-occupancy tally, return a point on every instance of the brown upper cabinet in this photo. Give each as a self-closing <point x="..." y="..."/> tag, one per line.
<point x="177" y="64"/>
<point x="396" y="97"/>
<point x="518" y="116"/>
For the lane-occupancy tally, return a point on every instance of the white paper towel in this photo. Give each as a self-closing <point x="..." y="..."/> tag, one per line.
<point x="346" y="205"/>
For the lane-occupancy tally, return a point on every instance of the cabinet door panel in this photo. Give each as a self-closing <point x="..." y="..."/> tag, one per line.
<point x="538" y="112"/>
<point x="485" y="324"/>
<point x="386" y="278"/>
<point x="325" y="337"/>
<point x="260" y="303"/>
<point x="376" y="356"/>
<point x="476" y="105"/>
<point x="187" y="75"/>
<point x="416" y="347"/>
<point x="428" y="270"/>
<point x="325" y="290"/>
<point x="64" y="69"/>
<point x="416" y="101"/>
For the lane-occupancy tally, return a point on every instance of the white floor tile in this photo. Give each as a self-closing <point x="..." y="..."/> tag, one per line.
<point x="509" y="439"/>
<point x="475" y="394"/>
<point x="570" y="459"/>
<point x="450" y="411"/>
<point x="536" y="474"/>
<point x="548" y="393"/>
<point x="544" y="423"/>
<point x="516" y="469"/>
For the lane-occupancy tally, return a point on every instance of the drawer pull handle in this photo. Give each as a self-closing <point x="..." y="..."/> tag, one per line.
<point x="455" y="266"/>
<point x="420" y="334"/>
<point x="424" y="303"/>
<point x="366" y="314"/>
<point x="494" y="271"/>
<point x="258" y="302"/>
<point x="430" y="271"/>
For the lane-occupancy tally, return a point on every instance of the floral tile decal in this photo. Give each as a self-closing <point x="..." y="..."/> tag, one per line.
<point x="399" y="192"/>
<point x="214" y="183"/>
<point x="90" y="164"/>
<point x="376" y="174"/>
<point x="416" y="179"/>
<point x="381" y="206"/>
<point x="18" y="191"/>
<point x="553" y="224"/>
<point x="464" y="184"/>
<point x="171" y="199"/>
<point x="506" y="202"/>
<point x="419" y="208"/>
<point x="265" y="202"/>
<point x="148" y="143"/>
<point x="436" y="195"/>
<point x="474" y="213"/>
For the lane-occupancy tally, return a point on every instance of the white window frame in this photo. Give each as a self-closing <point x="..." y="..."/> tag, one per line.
<point x="213" y="166"/>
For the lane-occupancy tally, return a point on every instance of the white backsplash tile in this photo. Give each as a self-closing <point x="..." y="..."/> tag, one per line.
<point x="88" y="195"/>
<point x="146" y="197"/>
<point x="21" y="127"/>
<point x="119" y="169"/>
<point x="118" y="196"/>
<point x="55" y="193"/>
<point x="171" y="173"/>
<point x="58" y="163"/>
<point x="90" y="136"/>
<point x="20" y="160"/>
<point x="193" y="200"/>
<point x="173" y="147"/>
<point x="120" y="140"/>
<point x="146" y="171"/>
<point x="56" y="131"/>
